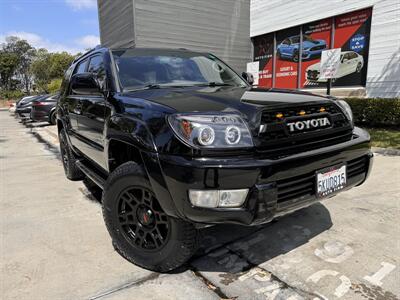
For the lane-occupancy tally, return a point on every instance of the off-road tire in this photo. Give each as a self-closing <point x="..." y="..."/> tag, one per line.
<point x="72" y="172"/>
<point x="182" y="239"/>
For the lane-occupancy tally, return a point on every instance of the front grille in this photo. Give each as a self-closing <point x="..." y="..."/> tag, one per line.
<point x="276" y="139"/>
<point x="312" y="74"/>
<point x="304" y="185"/>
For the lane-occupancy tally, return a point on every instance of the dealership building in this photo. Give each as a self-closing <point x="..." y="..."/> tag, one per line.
<point x="280" y="42"/>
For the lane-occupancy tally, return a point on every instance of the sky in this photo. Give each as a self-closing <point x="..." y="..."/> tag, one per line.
<point x="57" y="25"/>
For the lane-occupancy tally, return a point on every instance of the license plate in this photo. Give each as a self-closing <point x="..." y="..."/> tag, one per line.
<point x="331" y="180"/>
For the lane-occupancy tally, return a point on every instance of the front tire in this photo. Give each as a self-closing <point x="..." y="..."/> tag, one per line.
<point x="140" y="230"/>
<point x="359" y="67"/>
<point x="296" y="56"/>
<point x="72" y="172"/>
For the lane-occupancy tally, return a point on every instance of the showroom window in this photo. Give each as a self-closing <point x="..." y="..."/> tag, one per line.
<point x="283" y="63"/>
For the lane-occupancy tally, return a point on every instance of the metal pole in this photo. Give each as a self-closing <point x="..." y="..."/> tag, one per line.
<point x="332" y="45"/>
<point x="274" y="61"/>
<point x="299" y="63"/>
<point x="328" y="86"/>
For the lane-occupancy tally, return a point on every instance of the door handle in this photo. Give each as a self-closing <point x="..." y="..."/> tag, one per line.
<point x="78" y="108"/>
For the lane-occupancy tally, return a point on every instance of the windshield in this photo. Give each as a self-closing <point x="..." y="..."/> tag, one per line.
<point x="140" y="69"/>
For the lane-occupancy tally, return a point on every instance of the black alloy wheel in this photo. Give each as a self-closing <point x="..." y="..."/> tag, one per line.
<point x="142" y="220"/>
<point x="140" y="229"/>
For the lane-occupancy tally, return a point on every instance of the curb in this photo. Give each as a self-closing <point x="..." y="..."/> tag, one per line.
<point x="386" y="151"/>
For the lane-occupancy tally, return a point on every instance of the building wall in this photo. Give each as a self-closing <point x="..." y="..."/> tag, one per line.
<point x="383" y="76"/>
<point x="116" y="23"/>
<point x="221" y="27"/>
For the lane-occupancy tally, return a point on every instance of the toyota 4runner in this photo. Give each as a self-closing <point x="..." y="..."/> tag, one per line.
<point x="177" y="140"/>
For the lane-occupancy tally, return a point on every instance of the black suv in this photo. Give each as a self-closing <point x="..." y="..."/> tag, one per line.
<point x="177" y="140"/>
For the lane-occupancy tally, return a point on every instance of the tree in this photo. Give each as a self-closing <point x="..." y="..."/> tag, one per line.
<point x="25" y="53"/>
<point x="50" y="66"/>
<point x="8" y="66"/>
<point x="54" y="85"/>
<point x="59" y="63"/>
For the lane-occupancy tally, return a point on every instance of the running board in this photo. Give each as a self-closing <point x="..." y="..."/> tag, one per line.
<point x="89" y="172"/>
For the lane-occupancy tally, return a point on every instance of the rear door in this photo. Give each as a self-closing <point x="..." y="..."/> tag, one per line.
<point x="74" y="101"/>
<point x="91" y="122"/>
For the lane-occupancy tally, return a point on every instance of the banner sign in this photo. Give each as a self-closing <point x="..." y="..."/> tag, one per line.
<point x="316" y="38"/>
<point x="350" y="33"/>
<point x="287" y="58"/>
<point x="263" y="53"/>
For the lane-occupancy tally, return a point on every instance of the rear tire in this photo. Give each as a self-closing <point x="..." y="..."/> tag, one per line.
<point x="72" y="172"/>
<point x="53" y="118"/>
<point x="140" y="230"/>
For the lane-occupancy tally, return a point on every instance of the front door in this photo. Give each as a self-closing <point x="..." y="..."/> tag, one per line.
<point x="94" y="110"/>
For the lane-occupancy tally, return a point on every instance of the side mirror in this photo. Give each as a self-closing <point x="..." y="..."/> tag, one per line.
<point x="85" y="84"/>
<point x="248" y="77"/>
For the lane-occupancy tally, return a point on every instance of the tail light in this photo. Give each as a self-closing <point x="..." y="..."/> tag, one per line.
<point x="37" y="103"/>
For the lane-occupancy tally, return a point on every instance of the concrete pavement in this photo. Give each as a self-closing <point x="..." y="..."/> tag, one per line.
<point x="54" y="244"/>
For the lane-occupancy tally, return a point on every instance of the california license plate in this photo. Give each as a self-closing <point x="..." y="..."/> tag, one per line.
<point x="331" y="180"/>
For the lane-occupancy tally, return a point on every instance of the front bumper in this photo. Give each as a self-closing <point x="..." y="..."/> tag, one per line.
<point x="277" y="186"/>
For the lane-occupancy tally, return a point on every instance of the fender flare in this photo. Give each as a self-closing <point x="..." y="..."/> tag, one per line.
<point x="135" y="133"/>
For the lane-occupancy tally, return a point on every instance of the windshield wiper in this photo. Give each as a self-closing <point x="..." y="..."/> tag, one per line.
<point x="145" y="87"/>
<point x="213" y="83"/>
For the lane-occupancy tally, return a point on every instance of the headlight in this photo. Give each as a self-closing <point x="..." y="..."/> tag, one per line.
<point x="346" y="109"/>
<point x="211" y="131"/>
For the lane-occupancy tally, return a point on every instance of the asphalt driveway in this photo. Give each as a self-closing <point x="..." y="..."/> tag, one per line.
<point x="54" y="244"/>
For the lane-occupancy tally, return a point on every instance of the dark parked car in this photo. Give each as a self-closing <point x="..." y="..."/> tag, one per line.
<point x="177" y="140"/>
<point x="45" y="109"/>
<point x="24" y="106"/>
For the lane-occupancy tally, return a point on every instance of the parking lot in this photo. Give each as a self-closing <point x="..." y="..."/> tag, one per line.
<point x="54" y="244"/>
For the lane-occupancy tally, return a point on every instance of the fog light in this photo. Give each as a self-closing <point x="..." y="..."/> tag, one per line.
<point x="218" y="198"/>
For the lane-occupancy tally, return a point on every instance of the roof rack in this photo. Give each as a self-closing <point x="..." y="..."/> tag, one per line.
<point x="87" y="52"/>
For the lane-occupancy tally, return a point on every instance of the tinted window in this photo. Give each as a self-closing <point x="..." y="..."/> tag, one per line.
<point x="96" y="66"/>
<point x="81" y="68"/>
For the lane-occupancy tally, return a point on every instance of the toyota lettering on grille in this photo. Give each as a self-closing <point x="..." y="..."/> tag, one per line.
<point x="308" y="124"/>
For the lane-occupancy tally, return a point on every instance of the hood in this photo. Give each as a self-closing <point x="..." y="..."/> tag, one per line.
<point x="309" y="44"/>
<point x="224" y="99"/>
<point x="314" y="67"/>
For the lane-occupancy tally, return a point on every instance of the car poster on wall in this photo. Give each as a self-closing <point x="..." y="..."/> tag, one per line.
<point x="287" y="58"/>
<point x="316" y="38"/>
<point x="352" y="35"/>
<point x="263" y="53"/>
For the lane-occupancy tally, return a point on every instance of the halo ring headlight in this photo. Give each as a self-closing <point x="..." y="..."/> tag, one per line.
<point x="206" y="136"/>
<point x="232" y="135"/>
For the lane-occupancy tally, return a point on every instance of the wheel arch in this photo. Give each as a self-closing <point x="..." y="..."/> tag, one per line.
<point x="128" y="139"/>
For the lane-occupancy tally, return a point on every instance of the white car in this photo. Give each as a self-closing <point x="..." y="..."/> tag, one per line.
<point x="350" y="62"/>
